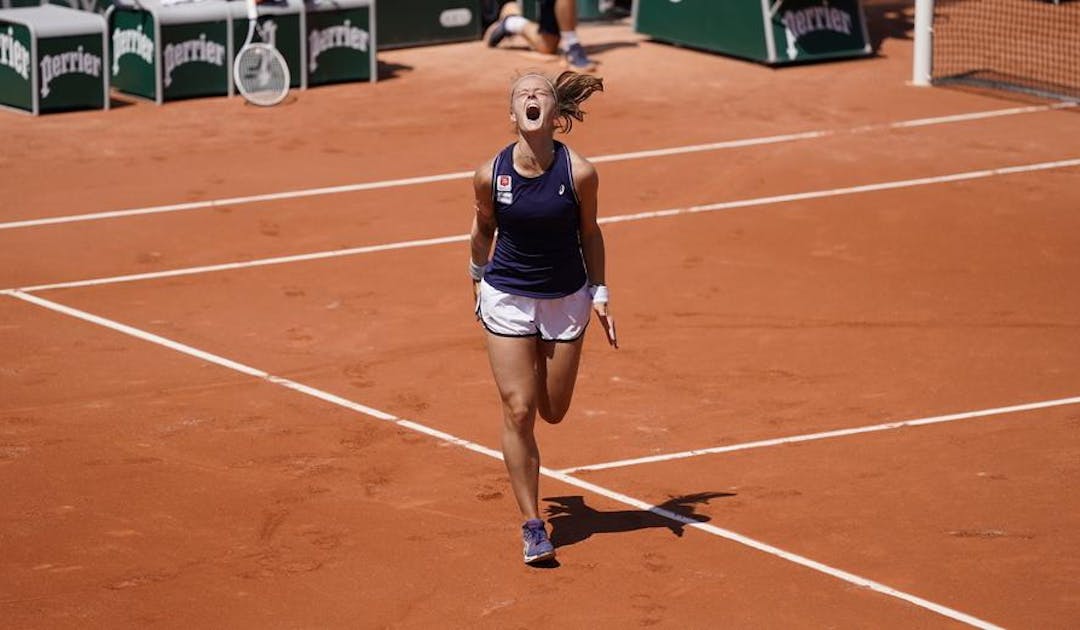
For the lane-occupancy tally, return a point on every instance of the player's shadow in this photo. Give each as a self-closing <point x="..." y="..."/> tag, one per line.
<point x="572" y="521"/>
<point x="600" y="49"/>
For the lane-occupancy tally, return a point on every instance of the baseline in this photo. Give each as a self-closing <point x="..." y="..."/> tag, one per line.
<point x="428" y="179"/>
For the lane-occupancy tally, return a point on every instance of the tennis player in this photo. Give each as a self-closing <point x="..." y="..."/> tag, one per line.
<point x="556" y="31"/>
<point x="535" y="294"/>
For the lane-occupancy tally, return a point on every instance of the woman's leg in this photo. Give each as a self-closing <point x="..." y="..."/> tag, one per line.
<point x="543" y="35"/>
<point x="557" y="371"/>
<point x="566" y="14"/>
<point x="534" y="34"/>
<point x="514" y="365"/>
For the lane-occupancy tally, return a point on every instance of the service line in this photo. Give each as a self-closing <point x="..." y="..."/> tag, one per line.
<point x="617" y="157"/>
<point x="371" y="412"/>
<point x="824" y="435"/>
<point x="640" y="216"/>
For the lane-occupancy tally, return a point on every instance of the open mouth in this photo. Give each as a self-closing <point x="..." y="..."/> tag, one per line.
<point x="532" y="112"/>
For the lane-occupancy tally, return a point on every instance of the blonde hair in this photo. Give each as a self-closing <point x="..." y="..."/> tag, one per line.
<point x="571" y="89"/>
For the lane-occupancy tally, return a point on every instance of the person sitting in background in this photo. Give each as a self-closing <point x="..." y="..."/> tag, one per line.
<point x="555" y="33"/>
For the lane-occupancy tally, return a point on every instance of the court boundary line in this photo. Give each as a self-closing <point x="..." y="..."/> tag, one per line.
<point x="824" y="435"/>
<point x="655" y="214"/>
<point x="614" y="157"/>
<point x="720" y="532"/>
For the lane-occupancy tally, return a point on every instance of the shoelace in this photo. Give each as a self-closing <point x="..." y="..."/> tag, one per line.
<point x="535" y="536"/>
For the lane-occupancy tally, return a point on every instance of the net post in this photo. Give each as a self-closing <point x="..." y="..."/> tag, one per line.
<point x="924" y="21"/>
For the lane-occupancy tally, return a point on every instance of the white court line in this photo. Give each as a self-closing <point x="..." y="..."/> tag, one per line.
<point x="278" y="260"/>
<point x="478" y="448"/>
<point x="803" y="561"/>
<point x="233" y="201"/>
<point x="851" y="190"/>
<point x="809" y="437"/>
<point x="413" y="181"/>
<point x="995" y="113"/>
<point x="726" y="205"/>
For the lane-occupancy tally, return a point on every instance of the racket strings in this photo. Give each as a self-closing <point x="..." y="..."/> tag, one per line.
<point x="261" y="74"/>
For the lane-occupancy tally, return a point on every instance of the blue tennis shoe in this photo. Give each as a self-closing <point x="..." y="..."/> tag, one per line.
<point x="576" y="59"/>
<point x="537" y="546"/>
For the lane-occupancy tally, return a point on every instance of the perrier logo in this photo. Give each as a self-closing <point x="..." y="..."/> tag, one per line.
<point x="71" y="62"/>
<point x="343" y="36"/>
<point x="202" y="50"/>
<point x="13" y="54"/>
<point x="812" y="20"/>
<point x="131" y="41"/>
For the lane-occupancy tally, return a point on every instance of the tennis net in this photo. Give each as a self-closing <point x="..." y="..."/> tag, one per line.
<point x="1030" y="46"/>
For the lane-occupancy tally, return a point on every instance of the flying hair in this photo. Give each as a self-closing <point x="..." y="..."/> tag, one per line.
<point x="571" y="89"/>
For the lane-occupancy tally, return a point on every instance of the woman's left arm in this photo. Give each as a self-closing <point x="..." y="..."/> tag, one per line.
<point x="587" y="183"/>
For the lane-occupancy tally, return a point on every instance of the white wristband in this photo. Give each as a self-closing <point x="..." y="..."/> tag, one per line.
<point x="599" y="293"/>
<point x="476" y="272"/>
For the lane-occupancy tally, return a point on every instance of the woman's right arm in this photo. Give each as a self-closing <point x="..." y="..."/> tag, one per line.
<point x="483" y="225"/>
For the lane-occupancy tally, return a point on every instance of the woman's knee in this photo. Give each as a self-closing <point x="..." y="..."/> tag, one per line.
<point x="518" y="413"/>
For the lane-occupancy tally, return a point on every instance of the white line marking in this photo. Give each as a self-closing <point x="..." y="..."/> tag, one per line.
<point x="851" y="190"/>
<point x="278" y="260"/>
<point x="726" y="205"/>
<point x="995" y="113"/>
<point x="478" y="448"/>
<point x="234" y="201"/>
<point x="803" y="561"/>
<point x="199" y="354"/>
<point x="413" y="181"/>
<point x="824" y="435"/>
<point x="716" y="146"/>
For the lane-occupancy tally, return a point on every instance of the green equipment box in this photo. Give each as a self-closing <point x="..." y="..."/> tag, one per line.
<point x="774" y="32"/>
<point x="93" y="6"/>
<point x="404" y="23"/>
<point x="340" y="38"/>
<point x="167" y="52"/>
<point x="185" y="49"/>
<point x="52" y="59"/>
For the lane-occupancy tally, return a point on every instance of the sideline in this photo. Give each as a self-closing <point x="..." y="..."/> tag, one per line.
<point x="563" y="477"/>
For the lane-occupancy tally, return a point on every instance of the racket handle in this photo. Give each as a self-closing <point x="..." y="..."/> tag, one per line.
<point x="252" y="10"/>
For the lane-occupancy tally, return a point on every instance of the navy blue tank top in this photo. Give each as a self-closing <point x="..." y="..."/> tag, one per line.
<point x="538" y="250"/>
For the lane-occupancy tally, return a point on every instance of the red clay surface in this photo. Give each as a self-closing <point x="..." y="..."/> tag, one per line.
<point x="149" y="488"/>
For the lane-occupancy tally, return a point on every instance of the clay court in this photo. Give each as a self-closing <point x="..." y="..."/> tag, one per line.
<point x="241" y="384"/>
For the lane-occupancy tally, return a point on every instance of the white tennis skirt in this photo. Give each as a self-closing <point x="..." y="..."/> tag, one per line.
<point x="551" y="319"/>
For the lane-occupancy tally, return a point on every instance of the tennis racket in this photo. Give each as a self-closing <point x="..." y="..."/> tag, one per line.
<point x="259" y="70"/>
